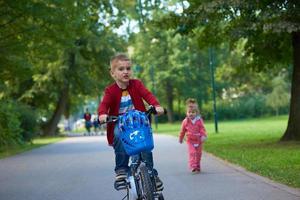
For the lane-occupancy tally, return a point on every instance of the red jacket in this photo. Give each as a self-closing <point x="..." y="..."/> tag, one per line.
<point x="87" y="116"/>
<point x="110" y="103"/>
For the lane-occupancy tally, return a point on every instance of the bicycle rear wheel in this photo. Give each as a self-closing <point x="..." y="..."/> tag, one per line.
<point x="147" y="187"/>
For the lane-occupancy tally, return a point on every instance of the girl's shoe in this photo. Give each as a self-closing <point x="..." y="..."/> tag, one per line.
<point x="195" y="171"/>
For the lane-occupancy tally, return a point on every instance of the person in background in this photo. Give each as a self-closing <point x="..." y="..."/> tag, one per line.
<point x="95" y="123"/>
<point x="88" y="124"/>
<point x="193" y="127"/>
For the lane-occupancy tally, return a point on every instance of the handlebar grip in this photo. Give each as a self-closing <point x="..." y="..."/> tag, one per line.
<point x="152" y="110"/>
<point x="109" y="119"/>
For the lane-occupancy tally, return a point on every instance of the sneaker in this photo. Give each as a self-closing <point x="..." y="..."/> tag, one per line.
<point x="120" y="181"/>
<point x="158" y="183"/>
<point x="195" y="171"/>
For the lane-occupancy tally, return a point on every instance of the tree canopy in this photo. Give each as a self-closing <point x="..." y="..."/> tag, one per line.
<point x="55" y="54"/>
<point x="271" y="30"/>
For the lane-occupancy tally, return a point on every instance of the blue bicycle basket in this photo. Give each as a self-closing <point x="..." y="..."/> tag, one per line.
<point x="135" y="132"/>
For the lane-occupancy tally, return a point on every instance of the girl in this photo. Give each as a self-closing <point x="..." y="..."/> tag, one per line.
<point x="193" y="127"/>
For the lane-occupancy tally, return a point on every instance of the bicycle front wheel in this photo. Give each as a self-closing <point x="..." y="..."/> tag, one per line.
<point x="147" y="187"/>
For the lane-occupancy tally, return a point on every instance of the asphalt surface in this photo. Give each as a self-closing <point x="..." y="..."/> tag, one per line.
<point x="81" y="168"/>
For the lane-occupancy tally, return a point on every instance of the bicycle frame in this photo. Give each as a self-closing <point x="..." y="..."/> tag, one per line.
<point x="140" y="183"/>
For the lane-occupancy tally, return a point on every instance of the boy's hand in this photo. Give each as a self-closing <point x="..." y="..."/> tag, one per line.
<point x="180" y="141"/>
<point x="102" y="118"/>
<point x="160" y="110"/>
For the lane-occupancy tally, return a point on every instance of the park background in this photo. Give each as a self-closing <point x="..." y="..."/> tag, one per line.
<point x="239" y="59"/>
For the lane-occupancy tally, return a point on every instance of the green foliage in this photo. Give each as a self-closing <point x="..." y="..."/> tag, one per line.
<point x="279" y="97"/>
<point x="18" y="123"/>
<point x="28" y="122"/>
<point x="244" y="107"/>
<point x="266" y="26"/>
<point x="183" y="64"/>
<point x="10" y="131"/>
<point x="47" y="46"/>
<point x="172" y="66"/>
<point x="250" y="106"/>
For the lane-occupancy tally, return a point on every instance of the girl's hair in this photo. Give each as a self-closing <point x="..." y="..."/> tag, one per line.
<point x="192" y="103"/>
<point x="118" y="57"/>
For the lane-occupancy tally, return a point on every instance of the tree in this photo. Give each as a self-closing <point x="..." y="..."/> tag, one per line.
<point x="53" y="53"/>
<point x="271" y="30"/>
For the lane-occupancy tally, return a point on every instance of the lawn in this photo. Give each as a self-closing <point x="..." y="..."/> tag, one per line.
<point x="38" y="142"/>
<point x="253" y="144"/>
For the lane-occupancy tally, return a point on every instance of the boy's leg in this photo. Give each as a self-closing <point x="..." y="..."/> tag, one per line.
<point x="121" y="159"/>
<point x="148" y="157"/>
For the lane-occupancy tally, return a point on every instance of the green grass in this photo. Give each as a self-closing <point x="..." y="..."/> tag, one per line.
<point x="38" y="142"/>
<point x="253" y="144"/>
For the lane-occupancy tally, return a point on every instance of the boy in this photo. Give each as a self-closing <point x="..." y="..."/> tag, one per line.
<point x="124" y="95"/>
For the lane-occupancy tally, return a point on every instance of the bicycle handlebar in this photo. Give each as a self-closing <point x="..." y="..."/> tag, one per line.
<point x="150" y="111"/>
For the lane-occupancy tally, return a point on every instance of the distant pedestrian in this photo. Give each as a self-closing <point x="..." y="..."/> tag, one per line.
<point x="88" y="124"/>
<point x="193" y="127"/>
<point x="96" y="124"/>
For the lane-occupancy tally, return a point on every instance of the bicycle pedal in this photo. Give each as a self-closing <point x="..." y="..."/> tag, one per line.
<point x="160" y="189"/>
<point x="120" y="185"/>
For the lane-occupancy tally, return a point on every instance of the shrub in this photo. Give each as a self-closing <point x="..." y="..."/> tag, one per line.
<point x="244" y="107"/>
<point x="10" y="131"/>
<point x="18" y="123"/>
<point x="28" y="119"/>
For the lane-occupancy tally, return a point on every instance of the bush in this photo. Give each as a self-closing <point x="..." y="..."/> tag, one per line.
<point x="18" y="123"/>
<point x="10" y="131"/>
<point x="239" y="108"/>
<point x="28" y="119"/>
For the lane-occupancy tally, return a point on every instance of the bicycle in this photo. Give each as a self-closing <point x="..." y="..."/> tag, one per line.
<point x="140" y="183"/>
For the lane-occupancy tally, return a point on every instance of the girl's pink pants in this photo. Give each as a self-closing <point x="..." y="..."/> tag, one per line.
<point x="195" y="153"/>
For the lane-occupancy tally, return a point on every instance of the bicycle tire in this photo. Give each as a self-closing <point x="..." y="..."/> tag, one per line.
<point x="148" y="191"/>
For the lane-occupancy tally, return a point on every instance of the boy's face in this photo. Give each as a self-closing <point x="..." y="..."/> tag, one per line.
<point x="122" y="72"/>
<point x="191" y="112"/>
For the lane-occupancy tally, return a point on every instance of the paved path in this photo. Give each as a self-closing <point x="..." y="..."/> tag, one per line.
<point x="82" y="168"/>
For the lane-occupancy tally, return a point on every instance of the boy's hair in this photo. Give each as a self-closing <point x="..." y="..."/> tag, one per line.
<point x="116" y="58"/>
<point x="192" y="103"/>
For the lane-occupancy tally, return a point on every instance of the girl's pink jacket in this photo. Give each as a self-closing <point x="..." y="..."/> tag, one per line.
<point x="192" y="131"/>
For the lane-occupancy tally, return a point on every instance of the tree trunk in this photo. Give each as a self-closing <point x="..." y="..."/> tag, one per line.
<point x="51" y="126"/>
<point x="293" y="129"/>
<point x="170" y="98"/>
<point x="179" y="105"/>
